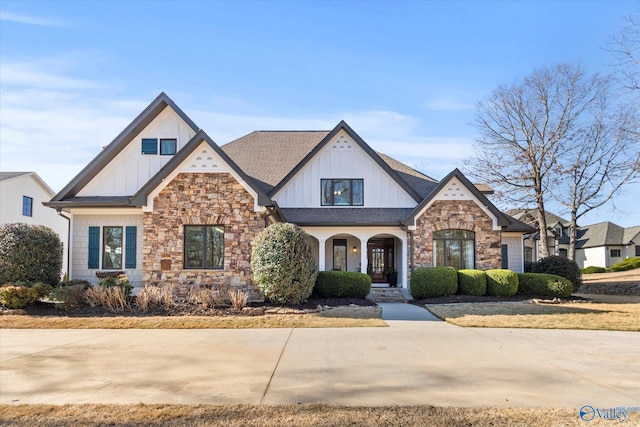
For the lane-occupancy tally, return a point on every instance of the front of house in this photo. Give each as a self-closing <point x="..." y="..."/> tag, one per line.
<point x="165" y="204"/>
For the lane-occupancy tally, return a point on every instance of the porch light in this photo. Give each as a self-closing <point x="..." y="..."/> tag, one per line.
<point x="354" y="250"/>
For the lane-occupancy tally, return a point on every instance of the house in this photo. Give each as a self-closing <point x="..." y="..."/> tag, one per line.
<point x="164" y="203"/>
<point x="22" y="195"/>
<point x="599" y="245"/>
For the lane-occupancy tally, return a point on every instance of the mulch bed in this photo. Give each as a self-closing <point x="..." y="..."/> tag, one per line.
<point x="187" y="309"/>
<point x="461" y="299"/>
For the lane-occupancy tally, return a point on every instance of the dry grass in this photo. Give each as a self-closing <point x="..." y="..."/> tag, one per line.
<point x="340" y="317"/>
<point x="287" y="415"/>
<point x="592" y="316"/>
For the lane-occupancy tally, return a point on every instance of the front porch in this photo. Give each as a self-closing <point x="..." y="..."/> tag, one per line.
<point x="376" y="251"/>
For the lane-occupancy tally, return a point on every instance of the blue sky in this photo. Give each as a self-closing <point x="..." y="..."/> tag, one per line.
<point x="406" y="75"/>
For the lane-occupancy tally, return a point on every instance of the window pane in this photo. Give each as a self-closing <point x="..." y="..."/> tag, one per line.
<point x="326" y="191"/>
<point x="27" y="206"/>
<point x="469" y="255"/>
<point x="215" y="247"/>
<point x="454" y="254"/>
<point x="168" y="147"/>
<point x="149" y="146"/>
<point x="438" y="250"/>
<point x="358" y="199"/>
<point x="112" y="248"/>
<point x="340" y="254"/>
<point x="193" y="255"/>
<point x="341" y="192"/>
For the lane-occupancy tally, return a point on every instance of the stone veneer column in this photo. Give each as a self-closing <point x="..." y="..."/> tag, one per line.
<point x="459" y="215"/>
<point x="200" y="199"/>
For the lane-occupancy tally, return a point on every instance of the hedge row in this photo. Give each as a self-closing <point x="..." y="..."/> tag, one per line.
<point x="430" y="282"/>
<point x="342" y="284"/>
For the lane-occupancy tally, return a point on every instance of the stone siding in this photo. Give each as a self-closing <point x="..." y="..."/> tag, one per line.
<point x="459" y="215"/>
<point x="200" y="199"/>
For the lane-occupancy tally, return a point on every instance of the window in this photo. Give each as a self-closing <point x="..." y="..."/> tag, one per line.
<point x="149" y="146"/>
<point x="342" y="192"/>
<point x="615" y="253"/>
<point x="340" y="254"/>
<point x="168" y="147"/>
<point x="528" y="254"/>
<point x="204" y="246"/>
<point x="454" y="248"/>
<point x="27" y="206"/>
<point x="505" y="256"/>
<point x="112" y="248"/>
<point x="563" y="253"/>
<point x="637" y="250"/>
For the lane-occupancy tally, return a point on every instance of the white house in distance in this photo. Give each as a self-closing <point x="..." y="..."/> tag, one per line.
<point x="21" y="197"/>
<point x="165" y="204"/>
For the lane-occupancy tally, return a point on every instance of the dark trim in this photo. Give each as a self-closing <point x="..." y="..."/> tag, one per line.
<point x="120" y="142"/>
<point x="140" y="198"/>
<point x="343" y="125"/>
<point x="503" y="221"/>
<point x="68" y="204"/>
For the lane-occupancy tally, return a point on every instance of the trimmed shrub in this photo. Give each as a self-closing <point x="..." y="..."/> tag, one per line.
<point x="342" y="284"/>
<point x="501" y="283"/>
<point x="29" y="253"/>
<point x="559" y="266"/>
<point x="429" y="282"/>
<point x="627" y="264"/>
<point x="282" y="263"/>
<point x="544" y="285"/>
<point x="472" y="282"/>
<point x="593" y="269"/>
<point x="18" y="296"/>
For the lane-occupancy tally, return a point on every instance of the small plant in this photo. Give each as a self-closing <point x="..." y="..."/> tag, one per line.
<point x="69" y="297"/>
<point x="627" y="264"/>
<point x="544" y="285"/>
<point x="151" y="297"/>
<point x="429" y="282"/>
<point x="593" y="269"/>
<point x="559" y="266"/>
<point x="472" y="282"/>
<point x="112" y="293"/>
<point x="19" y="296"/>
<point x="342" y="284"/>
<point x="201" y="296"/>
<point x="238" y="298"/>
<point x="501" y="283"/>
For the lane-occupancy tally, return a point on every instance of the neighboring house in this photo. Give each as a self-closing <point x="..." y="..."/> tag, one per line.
<point x="163" y="203"/>
<point x="21" y="197"/>
<point x="599" y="245"/>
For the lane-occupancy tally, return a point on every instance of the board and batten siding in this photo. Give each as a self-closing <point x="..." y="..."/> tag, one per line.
<point x="343" y="158"/>
<point x="131" y="169"/>
<point x="80" y="237"/>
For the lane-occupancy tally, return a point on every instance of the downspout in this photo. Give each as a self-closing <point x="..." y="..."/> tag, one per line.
<point x="59" y="212"/>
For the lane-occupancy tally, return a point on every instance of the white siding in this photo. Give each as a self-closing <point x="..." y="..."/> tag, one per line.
<point x="343" y="158"/>
<point x="591" y="257"/>
<point x="614" y="260"/>
<point x="11" y="192"/>
<point x="80" y="246"/>
<point x="131" y="169"/>
<point x="515" y="252"/>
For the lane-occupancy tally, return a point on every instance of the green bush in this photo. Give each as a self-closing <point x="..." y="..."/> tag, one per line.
<point x="282" y="263"/>
<point x="69" y="297"/>
<point x="429" y="282"/>
<point x="593" y="269"/>
<point x="544" y="285"/>
<point x="559" y="266"/>
<point x="121" y="282"/>
<point x="501" y="283"/>
<point x="472" y="282"/>
<point x="20" y="296"/>
<point x="627" y="264"/>
<point x="29" y="253"/>
<point x="342" y="284"/>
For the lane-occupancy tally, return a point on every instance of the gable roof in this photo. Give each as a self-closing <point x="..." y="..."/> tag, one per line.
<point x="140" y="198"/>
<point x="503" y="220"/>
<point x="601" y="234"/>
<point x="9" y="175"/>
<point x="530" y="216"/>
<point x="631" y="235"/>
<point x="5" y="176"/>
<point x="152" y="111"/>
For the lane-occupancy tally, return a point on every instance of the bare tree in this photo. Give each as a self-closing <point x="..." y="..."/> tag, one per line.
<point x="626" y="49"/>
<point x="523" y="129"/>
<point x="603" y="159"/>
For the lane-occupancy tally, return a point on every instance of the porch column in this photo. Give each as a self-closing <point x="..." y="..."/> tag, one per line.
<point x="321" y="254"/>
<point x="404" y="272"/>
<point x="364" y="259"/>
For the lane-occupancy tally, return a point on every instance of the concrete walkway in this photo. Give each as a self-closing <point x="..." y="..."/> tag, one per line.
<point x="411" y="362"/>
<point x="404" y="311"/>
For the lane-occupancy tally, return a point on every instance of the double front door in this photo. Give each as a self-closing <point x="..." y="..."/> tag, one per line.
<point x="380" y="259"/>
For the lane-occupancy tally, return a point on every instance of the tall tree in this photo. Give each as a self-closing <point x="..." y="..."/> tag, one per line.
<point x="523" y="129"/>
<point x="626" y="49"/>
<point x="604" y="157"/>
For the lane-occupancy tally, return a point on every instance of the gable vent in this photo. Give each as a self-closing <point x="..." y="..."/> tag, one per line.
<point x="342" y="143"/>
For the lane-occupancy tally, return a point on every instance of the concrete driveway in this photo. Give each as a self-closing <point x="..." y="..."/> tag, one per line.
<point x="411" y="362"/>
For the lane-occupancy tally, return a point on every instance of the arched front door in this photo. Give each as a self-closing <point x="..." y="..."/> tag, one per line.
<point x="380" y="259"/>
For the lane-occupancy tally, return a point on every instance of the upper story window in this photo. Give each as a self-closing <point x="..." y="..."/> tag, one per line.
<point x="27" y="206"/>
<point x="149" y="146"/>
<point x="342" y="192"/>
<point x="168" y="147"/>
